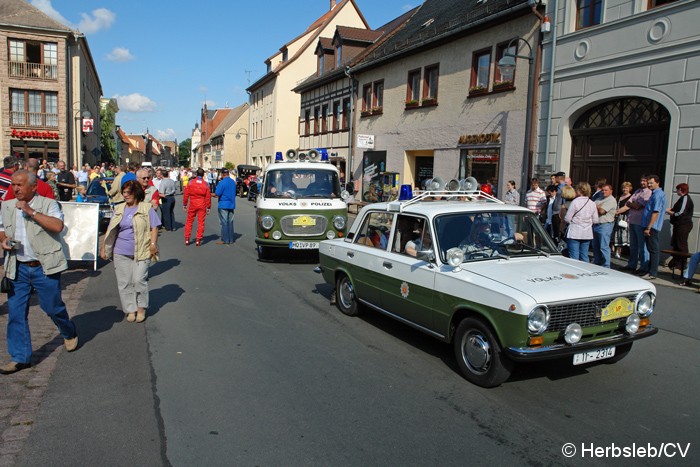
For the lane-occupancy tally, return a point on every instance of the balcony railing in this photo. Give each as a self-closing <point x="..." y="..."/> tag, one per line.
<point x="33" y="120"/>
<point x="33" y="71"/>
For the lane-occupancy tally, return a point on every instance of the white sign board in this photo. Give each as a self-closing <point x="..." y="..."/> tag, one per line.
<point x="365" y="141"/>
<point x="80" y="231"/>
<point x="88" y="124"/>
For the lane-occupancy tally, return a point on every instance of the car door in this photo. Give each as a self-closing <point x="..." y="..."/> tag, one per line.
<point x="410" y="280"/>
<point x="367" y="257"/>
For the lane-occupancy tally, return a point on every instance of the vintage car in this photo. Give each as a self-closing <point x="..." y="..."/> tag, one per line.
<point x="483" y="275"/>
<point x="97" y="193"/>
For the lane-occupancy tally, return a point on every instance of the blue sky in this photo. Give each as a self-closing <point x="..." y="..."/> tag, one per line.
<point x="162" y="60"/>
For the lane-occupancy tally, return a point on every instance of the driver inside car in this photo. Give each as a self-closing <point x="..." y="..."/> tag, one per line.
<point x="285" y="184"/>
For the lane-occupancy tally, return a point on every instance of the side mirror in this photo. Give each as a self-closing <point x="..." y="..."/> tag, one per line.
<point x="426" y="255"/>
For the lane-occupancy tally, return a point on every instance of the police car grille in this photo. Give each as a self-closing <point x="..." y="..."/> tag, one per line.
<point x="291" y="230"/>
<point x="586" y="314"/>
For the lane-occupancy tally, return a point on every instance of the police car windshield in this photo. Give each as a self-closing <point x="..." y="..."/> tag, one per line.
<point x="493" y="235"/>
<point x="302" y="183"/>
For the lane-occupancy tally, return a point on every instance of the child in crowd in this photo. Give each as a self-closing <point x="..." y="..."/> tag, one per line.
<point x="82" y="194"/>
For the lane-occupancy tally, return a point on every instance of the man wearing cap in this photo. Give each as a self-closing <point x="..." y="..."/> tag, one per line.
<point x="226" y="192"/>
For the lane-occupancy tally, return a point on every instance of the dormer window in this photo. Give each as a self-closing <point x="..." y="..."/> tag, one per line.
<point x="321" y="64"/>
<point x="338" y="56"/>
<point x="285" y="55"/>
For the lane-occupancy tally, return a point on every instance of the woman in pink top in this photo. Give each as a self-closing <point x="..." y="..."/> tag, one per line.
<point x="581" y="215"/>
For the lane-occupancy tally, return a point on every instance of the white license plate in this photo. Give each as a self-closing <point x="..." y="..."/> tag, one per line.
<point x="593" y="355"/>
<point x="303" y="245"/>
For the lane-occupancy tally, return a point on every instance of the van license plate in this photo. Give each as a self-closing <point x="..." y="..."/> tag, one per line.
<point x="593" y="355"/>
<point x="303" y="245"/>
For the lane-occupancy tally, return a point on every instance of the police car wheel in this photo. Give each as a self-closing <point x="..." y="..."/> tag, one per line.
<point x="345" y="296"/>
<point x="479" y="354"/>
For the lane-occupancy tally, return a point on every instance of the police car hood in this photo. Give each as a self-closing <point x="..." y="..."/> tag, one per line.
<point x="557" y="278"/>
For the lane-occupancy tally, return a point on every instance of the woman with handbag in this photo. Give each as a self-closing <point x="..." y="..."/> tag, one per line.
<point x="581" y="214"/>
<point x="682" y="221"/>
<point x="621" y="234"/>
<point x="132" y="237"/>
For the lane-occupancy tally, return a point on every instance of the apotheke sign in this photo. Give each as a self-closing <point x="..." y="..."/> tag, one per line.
<point x="33" y="134"/>
<point x="480" y="138"/>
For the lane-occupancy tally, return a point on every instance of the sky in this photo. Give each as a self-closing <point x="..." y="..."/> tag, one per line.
<point x="162" y="60"/>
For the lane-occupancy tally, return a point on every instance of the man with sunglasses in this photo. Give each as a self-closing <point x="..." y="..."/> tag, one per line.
<point x="145" y="178"/>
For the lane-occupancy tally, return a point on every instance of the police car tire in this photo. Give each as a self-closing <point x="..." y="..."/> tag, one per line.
<point x="496" y="367"/>
<point x="620" y="352"/>
<point x="346" y="301"/>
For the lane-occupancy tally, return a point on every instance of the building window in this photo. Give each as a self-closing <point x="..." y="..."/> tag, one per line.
<point x="346" y="114"/>
<point x="366" y="97"/>
<point x="307" y="122"/>
<point x="655" y="3"/>
<point x="481" y="68"/>
<point x="37" y="60"/>
<point x="321" y="64"/>
<point x="588" y="13"/>
<point x="336" y="115"/>
<point x="338" y="56"/>
<point x="430" y="83"/>
<point x="317" y="113"/>
<point x="501" y="50"/>
<point x="34" y="109"/>
<point x="378" y="96"/>
<point x="413" y="86"/>
<point x="480" y="163"/>
<point x="285" y="55"/>
<point x="324" y="119"/>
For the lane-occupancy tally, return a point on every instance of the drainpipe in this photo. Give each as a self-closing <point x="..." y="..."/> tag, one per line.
<point x="550" y="97"/>
<point x="349" y="169"/>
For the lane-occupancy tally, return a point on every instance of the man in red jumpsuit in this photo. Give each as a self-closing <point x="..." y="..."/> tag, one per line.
<point x="196" y="202"/>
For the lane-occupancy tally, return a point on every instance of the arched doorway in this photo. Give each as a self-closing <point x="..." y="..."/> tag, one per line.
<point x="620" y="140"/>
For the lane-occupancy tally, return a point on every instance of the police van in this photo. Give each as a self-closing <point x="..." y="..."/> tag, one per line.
<point x="300" y="204"/>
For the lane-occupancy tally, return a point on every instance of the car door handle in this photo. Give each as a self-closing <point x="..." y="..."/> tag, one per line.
<point x="351" y="254"/>
<point x="387" y="265"/>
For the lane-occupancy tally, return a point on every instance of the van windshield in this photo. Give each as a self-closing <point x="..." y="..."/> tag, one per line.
<point x="302" y="183"/>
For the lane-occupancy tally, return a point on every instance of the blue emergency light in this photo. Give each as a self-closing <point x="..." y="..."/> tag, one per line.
<point x="324" y="155"/>
<point x="278" y="156"/>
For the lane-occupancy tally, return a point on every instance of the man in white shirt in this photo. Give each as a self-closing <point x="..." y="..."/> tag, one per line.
<point x="535" y="197"/>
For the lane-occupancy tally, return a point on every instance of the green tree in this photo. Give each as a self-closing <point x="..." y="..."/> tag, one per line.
<point x="184" y="151"/>
<point x="229" y="165"/>
<point x="108" y="143"/>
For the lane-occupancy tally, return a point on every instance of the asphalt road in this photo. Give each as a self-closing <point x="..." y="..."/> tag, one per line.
<point x="242" y="362"/>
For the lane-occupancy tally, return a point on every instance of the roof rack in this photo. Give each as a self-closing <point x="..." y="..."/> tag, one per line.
<point x="477" y="195"/>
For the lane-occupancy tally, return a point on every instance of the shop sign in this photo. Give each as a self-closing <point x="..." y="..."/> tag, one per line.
<point x="483" y="157"/>
<point x="88" y="125"/>
<point x="33" y="134"/>
<point x="480" y="138"/>
<point x="365" y="141"/>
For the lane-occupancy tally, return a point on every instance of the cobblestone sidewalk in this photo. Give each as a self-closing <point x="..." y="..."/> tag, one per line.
<point x="22" y="393"/>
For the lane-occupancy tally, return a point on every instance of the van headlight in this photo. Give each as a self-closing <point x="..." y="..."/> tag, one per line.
<point x="267" y="222"/>
<point x="339" y="222"/>
<point x="538" y="320"/>
<point x="644" y="305"/>
<point x="455" y="257"/>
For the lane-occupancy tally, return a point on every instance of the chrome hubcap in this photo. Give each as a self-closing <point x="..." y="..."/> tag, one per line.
<point x="476" y="352"/>
<point x="346" y="293"/>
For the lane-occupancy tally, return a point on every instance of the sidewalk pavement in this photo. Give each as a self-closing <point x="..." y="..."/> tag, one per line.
<point x="22" y="393"/>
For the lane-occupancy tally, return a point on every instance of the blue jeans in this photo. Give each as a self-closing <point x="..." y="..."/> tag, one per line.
<point x="226" y="219"/>
<point x="168" y="210"/>
<point x="48" y="288"/>
<point x="601" y="243"/>
<point x="652" y="242"/>
<point x="578" y="249"/>
<point x="692" y="266"/>
<point x="638" y="248"/>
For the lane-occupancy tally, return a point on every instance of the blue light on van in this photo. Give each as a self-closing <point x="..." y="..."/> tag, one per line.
<point x="278" y="156"/>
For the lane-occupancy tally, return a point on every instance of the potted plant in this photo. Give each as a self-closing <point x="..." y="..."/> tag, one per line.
<point x="429" y="101"/>
<point x="366" y="113"/>
<point x="377" y="110"/>
<point x="411" y="103"/>
<point x="477" y="90"/>
<point x="503" y="84"/>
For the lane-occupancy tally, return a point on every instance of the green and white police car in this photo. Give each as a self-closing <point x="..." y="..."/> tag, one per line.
<point x="483" y="275"/>
<point x="300" y="204"/>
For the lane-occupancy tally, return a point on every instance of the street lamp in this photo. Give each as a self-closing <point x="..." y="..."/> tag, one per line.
<point x="238" y="136"/>
<point x="78" y="146"/>
<point x="506" y="66"/>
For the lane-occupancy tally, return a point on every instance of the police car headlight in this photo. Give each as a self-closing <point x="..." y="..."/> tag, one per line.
<point x="455" y="257"/>
<point x="276" y="235"/>
<point x="339" y="222"/>
<point x="538" y="320"/>
<point x="267" y="222"/>
<point x="330" y="234"/>
<point x="632" y="324"/>
<point x="645" y="304"/>
<point x="573" y="333"/>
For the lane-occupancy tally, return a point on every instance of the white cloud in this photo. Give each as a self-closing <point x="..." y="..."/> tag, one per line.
<point x="101" y="18"/>
<point x="46" y="7"/>
<point x="203" y="89"/>
<point x="166" y="135"/>
<point x="135" y="102"/>
<point x="120" y="54"/>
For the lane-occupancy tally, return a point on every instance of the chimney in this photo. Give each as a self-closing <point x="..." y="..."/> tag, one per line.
<point x="332" y="4"/>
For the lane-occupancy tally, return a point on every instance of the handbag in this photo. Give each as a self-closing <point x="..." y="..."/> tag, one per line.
<point x="622" y="223"/>
<point x="5" y="285"/>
